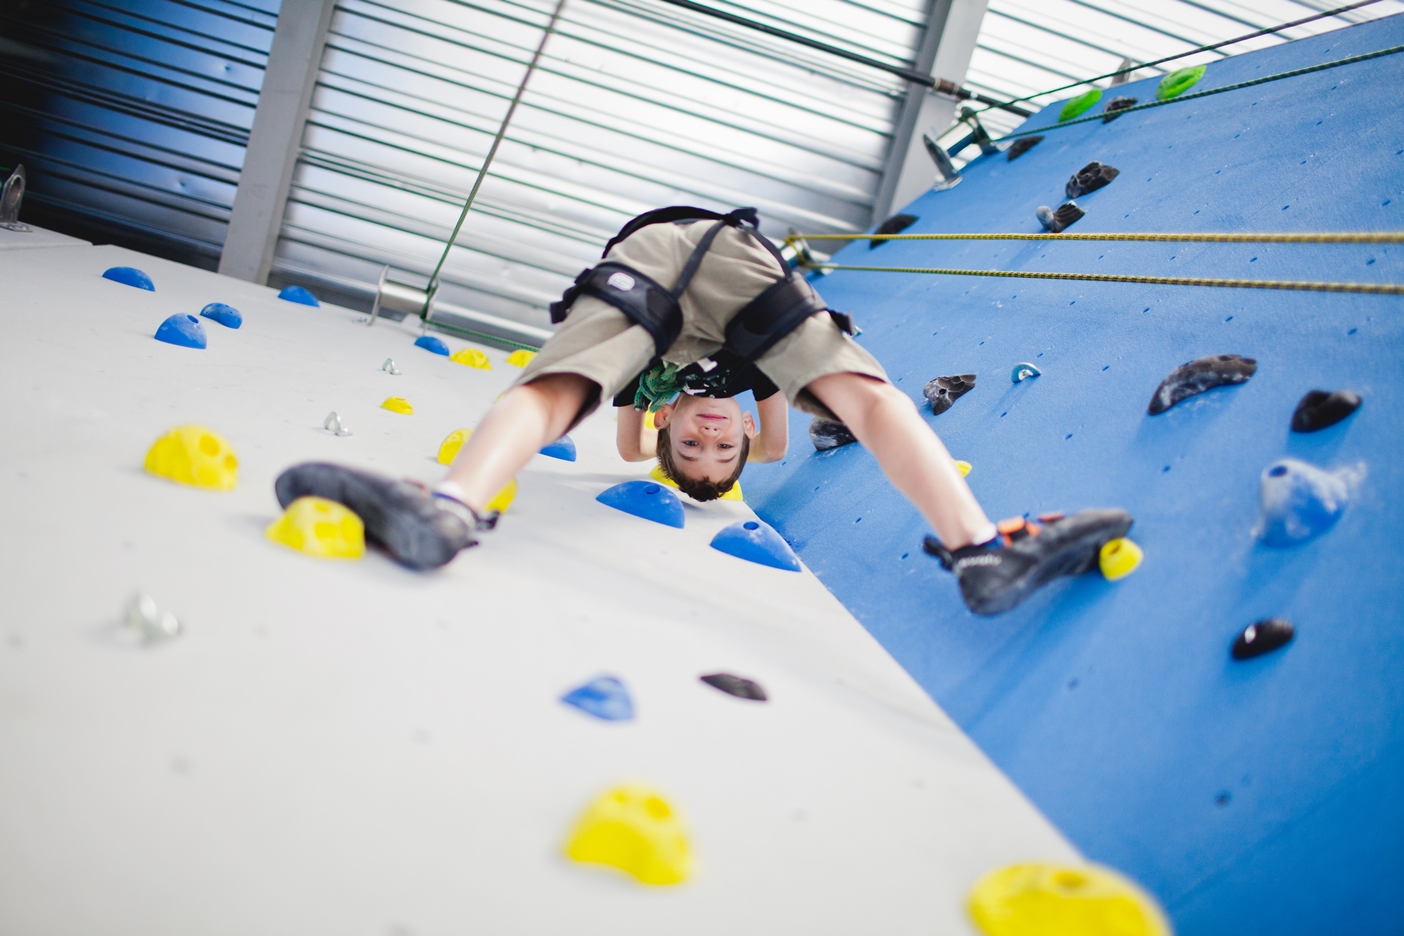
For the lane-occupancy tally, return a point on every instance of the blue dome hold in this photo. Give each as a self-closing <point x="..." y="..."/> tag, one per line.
<point x="645" y="499"/>
<point x="756" y="541"/>
<point x="563" y="448"/>
<point x="430" y="343"/>
<point x="129" y="276"/>
<point x="226" y="315"/>
<point x="182" y="329"/>
<point x="1298" y="501"/>
<point x="298" y="294"/>
<point x="605" y="698"/>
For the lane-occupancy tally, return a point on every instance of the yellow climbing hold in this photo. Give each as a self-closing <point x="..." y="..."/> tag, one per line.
<point x="398" y="404"/>
<point x="471" y="357"/>
<point x="1054" y="900"/>
<point x="521" y="357"/>
<point x="196" y="456"/>
<point x="658" y="475"/>
<point x="1119" y="558"/>
<point x="448" y="449"/>
<point x="634" y="829"/>
<point x="320" y="527"/>
<point x="503" y="498"/>
<point x="648" y="420"/>
<point x="963" y="467"/>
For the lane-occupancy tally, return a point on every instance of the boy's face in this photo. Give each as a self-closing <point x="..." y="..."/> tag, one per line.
<point x="706" y="435"/>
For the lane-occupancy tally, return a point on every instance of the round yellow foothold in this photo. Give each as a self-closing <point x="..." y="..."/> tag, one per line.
<point x="448" y="449"/>
<point x="657" y="474"/>
<point x="503" y="498"/>
<point x="634" y="829"/>
<point x="648" y="420"/>
<point x="1054" y="900"/>
<point x="398" y="404"/>
<point x="521" y="357"/>
<point x="196" y="456"/>
<point x="964" y="467"/>
<point x="471" y="357"/>
<point x="1119" y="558"/>
<point x="320" y="527"/>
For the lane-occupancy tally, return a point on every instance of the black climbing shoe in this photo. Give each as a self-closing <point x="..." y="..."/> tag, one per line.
<point x="416" y="529"/>
<point x="997" y="576"/>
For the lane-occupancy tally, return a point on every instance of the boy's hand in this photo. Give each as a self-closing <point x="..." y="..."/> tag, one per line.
<point x="773" y="440"/>
<point x="636" y="442"/>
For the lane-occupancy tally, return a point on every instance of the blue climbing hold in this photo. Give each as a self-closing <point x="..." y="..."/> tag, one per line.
<point x="1023" y="371"/>
<point x="226" y="315"/>
<point x="755" y="541"/>
<point x="430" y="343"/>
<point x="645" y="499"/>
<point x="563" y="448"/>
<point x="130" y="276"/>
<point x="182" y="329"/>
<point x="605" y="698"/>
<point x="1298" y="501"/>
<point x="298" y="294"/>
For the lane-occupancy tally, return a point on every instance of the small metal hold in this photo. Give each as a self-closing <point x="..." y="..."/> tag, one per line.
<point x="10" y="198"/>
<point x="948" y="176"/>
<point x="151" y="623"/>
<point x="1123" y="72"/>
<point x="389" y="367"/>
<point x="797" y="252"/>
<point x="1023" y="371"/>
<point x="334" y="424"/>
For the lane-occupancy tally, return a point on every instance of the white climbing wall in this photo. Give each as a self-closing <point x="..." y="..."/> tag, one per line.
<point x="349" y="747"/>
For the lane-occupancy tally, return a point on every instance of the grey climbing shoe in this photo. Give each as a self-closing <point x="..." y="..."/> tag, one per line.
<point x="997" y="576"/>
<point x="417" y="530"/>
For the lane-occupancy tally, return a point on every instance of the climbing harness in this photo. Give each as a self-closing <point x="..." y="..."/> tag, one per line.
<point x="1306" y="237"/>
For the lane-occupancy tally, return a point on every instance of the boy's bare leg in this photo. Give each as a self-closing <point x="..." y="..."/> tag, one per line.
<point x="887" y="424"/>
<point x="518" y="425"/>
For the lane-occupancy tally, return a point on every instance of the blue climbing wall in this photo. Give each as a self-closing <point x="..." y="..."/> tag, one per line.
<point x="1257" y="796"/>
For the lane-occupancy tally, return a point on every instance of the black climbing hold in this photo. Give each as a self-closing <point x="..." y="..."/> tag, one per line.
<point x="827" y="434"/>
<point x="1206" y="373"/>
<point x="1262" y="637"/>
<point x="1089" y="178"/>
<point x="1021" y="146"/>
<point x="1115" y="106"/>
<point x="893" y="225"/>
<point x="739" y="686"/>
<point x="1319" y="409"/>
<point x="944" y="391"/>
<point x="1057" y="221"/>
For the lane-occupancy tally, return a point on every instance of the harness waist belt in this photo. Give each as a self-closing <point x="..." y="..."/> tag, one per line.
<point x="774" y="314"/>
<point x="639" y="297"/>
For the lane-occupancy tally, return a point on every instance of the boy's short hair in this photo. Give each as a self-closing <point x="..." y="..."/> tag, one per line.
<point x="698" y="490"/>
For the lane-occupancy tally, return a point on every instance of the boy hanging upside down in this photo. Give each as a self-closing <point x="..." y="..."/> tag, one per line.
<point x="688" y="309"/>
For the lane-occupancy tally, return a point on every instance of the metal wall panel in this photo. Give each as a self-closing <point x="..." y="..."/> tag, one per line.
<point x="131" y="116"/>
<point x="635" y="105"/>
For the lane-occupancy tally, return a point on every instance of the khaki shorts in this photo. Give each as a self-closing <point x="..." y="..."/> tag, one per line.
<point x="601" y="344"/>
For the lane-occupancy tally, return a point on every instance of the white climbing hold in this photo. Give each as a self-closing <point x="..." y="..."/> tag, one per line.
<point x="390" y="368"/>
<point x="334" y="424"/>
<point x="149" y="622"/>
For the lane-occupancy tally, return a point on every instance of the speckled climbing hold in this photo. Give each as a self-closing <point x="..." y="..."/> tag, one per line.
<point x="1057" y="900"/>
<point x="563" y="448"/>
<point x="1115" y="106"/>
<point x="431" y="344"/>
<point x="605" y="698"/>
<point x="320" y="527"/>
<point x="1321" y="408"/>
<point x="195" y="456"/>
<point x="299" y="295"/>
<point x="1298" y="502"/>
<point x="1021" y="146"/>
<point x="893" y="225"/>
<point x="1118" y="558"/>
<point x="1079" y="105"/>
<point x="388" y="365"/>
<point x="1023" y="371"/>
<point x="1200" y="375"/>
<point x="755" y="541"/>
<point x="182" y="329"/>
<point x="942" y="392"/>
<point x="143" y="618"/>
<point x="732" y="495"/>
<point x="129" y="276"/>
<point x="398" y="404"/>
<point x="635" y="829"/>
<point x="448" y="449"/>
<point x="646" y="499"/>
<point x="226" y="315"/>
<point x="738" y="686"/>
<point x="964" y="467"/>
<point x="1262" y="637"/>
<point x="1055" y="221"/>
<point x="1089" y="178"/>
<point x="471" y="357"/>
<point x="1178" y="82"/>
<point x="335" y="426"/>
<point x="520" y="357"/>
<point x="827" y="434"/>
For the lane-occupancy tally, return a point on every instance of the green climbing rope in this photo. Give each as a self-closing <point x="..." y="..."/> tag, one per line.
<point x="1306" y="237"/>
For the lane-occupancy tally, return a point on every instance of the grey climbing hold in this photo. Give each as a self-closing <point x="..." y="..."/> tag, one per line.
<point x="334" y="425"/>
<point x="390" y="368"/>
<point x="149" y="622"/>
<point x="944" y="391"/>
<point x="1115" y="106"/>
<point x="1057" y="221"/>
<point x="827" y="434"/>
<point x="893" y="225"/>
<point x="1320" y="408"/>
<point x="1262" y="637"/>
<point x="1089" y="178"/>
<point x="738" y="686"/>
<point x="1199" y="375"/>
<point x="1021" y="146"/>
<point x="1023" y="371"/>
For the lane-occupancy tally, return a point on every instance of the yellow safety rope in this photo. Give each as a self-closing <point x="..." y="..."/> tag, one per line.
<point x="1331" y="237"/>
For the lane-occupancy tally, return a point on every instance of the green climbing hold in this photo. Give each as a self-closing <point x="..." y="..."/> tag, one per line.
<point x="1080" y="104"/>
<point x="1178" y="82"/>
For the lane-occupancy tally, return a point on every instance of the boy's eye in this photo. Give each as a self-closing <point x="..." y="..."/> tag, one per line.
<point x="690" y="442"/>
<point x="726" y="445"/>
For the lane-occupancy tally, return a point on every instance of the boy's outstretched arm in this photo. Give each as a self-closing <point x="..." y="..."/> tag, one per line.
<point x="635" y="440"/>
<point x="773" y="440"/>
